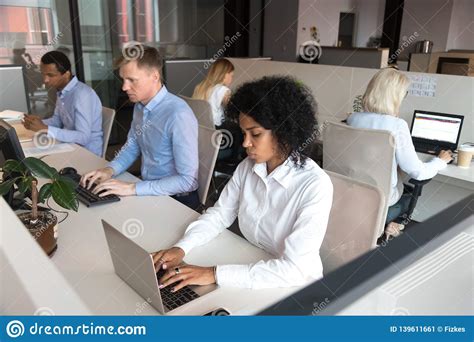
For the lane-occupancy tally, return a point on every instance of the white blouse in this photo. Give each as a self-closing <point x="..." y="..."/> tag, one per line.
<point x="405" y="154"/>
<point x="215" y="100"/>
<point x="285" y="213"/>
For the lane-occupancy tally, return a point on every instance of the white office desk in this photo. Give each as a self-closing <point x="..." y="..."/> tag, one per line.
<point x="159" y="221"/>
<point x="448" y="187"/>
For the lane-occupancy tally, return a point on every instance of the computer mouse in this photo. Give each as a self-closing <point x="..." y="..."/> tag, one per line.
<point x="218" y="312"/>
<point x="68" y="171"/>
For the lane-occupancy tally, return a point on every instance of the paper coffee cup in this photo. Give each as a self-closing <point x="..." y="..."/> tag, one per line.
<point x="465" y="152"/>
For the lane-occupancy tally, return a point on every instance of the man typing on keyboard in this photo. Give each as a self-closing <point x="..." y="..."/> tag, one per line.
<point x="164" y="132"/>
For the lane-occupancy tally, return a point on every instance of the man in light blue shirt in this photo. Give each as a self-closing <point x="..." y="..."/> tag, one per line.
<point x="77" y="116"/>
<point x="164" y="133"/>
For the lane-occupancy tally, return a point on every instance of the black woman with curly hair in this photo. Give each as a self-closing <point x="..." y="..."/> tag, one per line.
<point x="281" y="198"/>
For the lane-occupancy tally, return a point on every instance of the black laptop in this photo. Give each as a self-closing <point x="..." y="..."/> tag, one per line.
<point x="432" y="132"/>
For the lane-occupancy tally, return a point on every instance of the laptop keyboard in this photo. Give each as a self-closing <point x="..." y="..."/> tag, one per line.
<point x="427" y="148"/>
<point x="172" y="300"/>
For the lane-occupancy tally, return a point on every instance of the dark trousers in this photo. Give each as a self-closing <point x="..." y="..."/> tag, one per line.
<point x="398" y="208"/>
<point x="191" y="200"/>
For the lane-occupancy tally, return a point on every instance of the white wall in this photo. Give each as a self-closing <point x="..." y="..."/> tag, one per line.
<point x="369" y="20"/>
<point x="324" y="14"/>
<point x="461" y="28"/>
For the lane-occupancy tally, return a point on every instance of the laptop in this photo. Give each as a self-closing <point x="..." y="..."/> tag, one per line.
<point x="135" y="266"/>
<point x="432" y="132"/>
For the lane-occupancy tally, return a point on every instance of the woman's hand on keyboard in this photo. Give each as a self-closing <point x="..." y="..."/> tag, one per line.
<point x="187" y="275"/>
<point x="96" y="176"/>
<point x="168" y="258"/>
<point x="446" y="156"/>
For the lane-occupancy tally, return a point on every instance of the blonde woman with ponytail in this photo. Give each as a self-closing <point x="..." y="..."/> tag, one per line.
<point x="215" y="88"/>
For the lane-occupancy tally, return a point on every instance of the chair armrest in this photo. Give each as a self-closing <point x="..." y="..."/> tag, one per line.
<point x="419" y="182"/>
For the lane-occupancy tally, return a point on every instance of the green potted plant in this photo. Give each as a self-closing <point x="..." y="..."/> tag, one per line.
<point x="21" y="176"/>
<point x="357" y="104"/>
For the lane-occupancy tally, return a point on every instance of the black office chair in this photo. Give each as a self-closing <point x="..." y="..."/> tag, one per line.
<point x="414" y="192"/>
<point x="229" y="157"/>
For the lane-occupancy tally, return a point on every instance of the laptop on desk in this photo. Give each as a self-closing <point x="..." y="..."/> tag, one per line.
<point x="432" y="132"/>
<point x="135" y="266"/>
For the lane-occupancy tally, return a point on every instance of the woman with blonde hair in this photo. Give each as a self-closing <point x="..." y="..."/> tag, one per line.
<point x="381" y="108"/>
<point x="215" y="88"/>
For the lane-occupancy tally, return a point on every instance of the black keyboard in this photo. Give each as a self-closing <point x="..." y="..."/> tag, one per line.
<point x="172" y="300"/>
<point x="86" y="196"/>
<point x="90" y="199"/>
<point x="427" y="148"/>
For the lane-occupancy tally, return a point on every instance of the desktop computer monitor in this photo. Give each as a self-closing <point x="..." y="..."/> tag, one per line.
<point x="13" y="88"/>
<point x="10" y="148"/>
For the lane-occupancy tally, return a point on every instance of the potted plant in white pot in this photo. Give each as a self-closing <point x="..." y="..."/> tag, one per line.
<point x="21" y="176"/>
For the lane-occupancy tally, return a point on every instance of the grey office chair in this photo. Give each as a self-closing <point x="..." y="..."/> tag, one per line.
<point x="366" y="155"/>
<point x="227" y="160"/>
<point x="208" y="142"/>
<point x="108" y="115"/>
<point x="354" y="224"/>
<point x="202" y="110"/>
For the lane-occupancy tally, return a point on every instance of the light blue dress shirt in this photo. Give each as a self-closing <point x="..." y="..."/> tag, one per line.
<point x="165" y="133"/>
<point x="77" y="117"/>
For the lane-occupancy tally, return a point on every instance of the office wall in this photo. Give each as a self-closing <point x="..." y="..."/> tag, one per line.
<point x="461" y="27"/>
<point x="336" y="87"/>
<point x="324" y="14"/>
<point x="430" y="18"/>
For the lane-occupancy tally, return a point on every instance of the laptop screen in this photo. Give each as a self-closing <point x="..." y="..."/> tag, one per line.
<point x="436" y="126"/>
